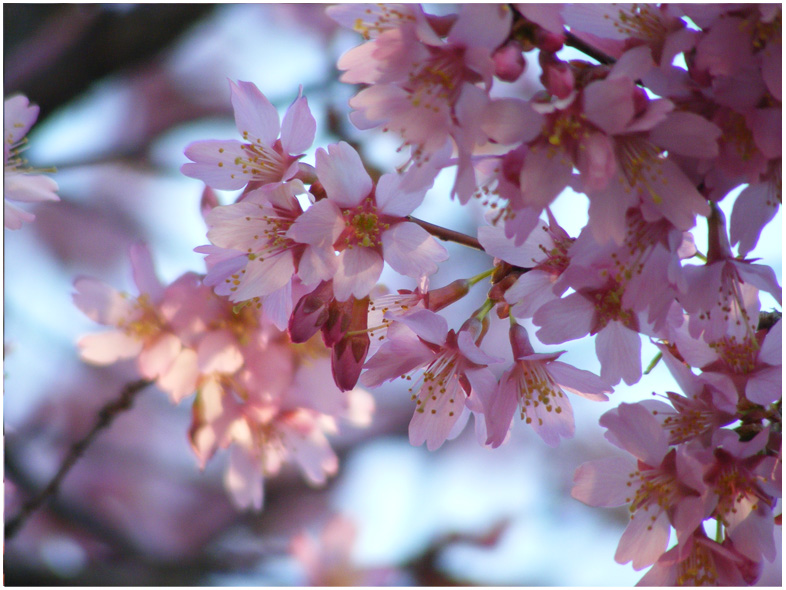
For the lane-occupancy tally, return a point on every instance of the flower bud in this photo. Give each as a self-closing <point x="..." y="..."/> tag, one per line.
<point x="509" y="62"/>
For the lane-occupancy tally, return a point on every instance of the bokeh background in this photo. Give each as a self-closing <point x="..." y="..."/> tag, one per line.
<point x="123" y="89"/>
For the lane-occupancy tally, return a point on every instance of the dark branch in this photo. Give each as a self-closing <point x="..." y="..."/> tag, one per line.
<point x="106" y="416"/>
<point x="447" y="235"/>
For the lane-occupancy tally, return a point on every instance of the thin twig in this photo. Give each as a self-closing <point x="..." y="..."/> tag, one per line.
<point x="106" y="416"/>
<point x="572" y="41"/>
<point x="448" y="235"/>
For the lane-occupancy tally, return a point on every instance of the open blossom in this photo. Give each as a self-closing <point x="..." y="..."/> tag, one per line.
<point x="701" y="561"/>
<point x="663" y="486"/>
<point x="544" y="253"/>
<point x="424" y="87"/>
<point x="365" y="224"/>
<point x="265" y="260"/>
<point x="536" y="383"/>
<point x="455" y="373"/>
<point x="262" y="156"/>
<point x="269" y="415"/>
<point x="740" y="480"/>
<point x="141" y="328"/>
<point x="19" y="182"/>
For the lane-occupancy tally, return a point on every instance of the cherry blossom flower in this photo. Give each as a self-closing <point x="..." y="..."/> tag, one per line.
<point x="141" y="328"/>
<point x="702" y="562"/>
<point x="269" y="415"/>
<point x="262" y="156"/>
<point x="455" y="373"/>
<point x="714" y="298"/>
<point x="366" y="224"/>
<point x="544" y="253"/>
<point x="536" y="384"/>
<point x="739" y="481"/>
<point x="663" y="487"/>
<point x="254" y="259"/>
<point x="20" y="183"/>
<point x="424" y="87"/>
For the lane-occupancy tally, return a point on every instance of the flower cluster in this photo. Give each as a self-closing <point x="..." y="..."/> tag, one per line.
<point x="256" y="391"/>
<point x="679" y="106"/>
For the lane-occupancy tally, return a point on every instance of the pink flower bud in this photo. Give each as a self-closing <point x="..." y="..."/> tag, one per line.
<point x="509" y="62"/>
<point x="557" y="76"/>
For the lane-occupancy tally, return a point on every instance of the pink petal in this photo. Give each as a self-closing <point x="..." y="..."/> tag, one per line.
<point x="156" y="358"/>
<point x="579" y="381"/>
<point x="604" y="482"/>
<point x="180" y="380"/>
<point x="144" y="273"/>
<point x="634" y="429"/>
<point x="29" y="188"/>
<point x="544" y="176"/>
<point x="497" y="244"/>
<point x="18" y="117"/>
<point x="428" y="325"/>
<point x="243" y="479"/>
<point x="105" y="348"/>
<point x="433" y="420"/>
<point x="564" y="319"/>
<point x="358" y="271"/>
<point x="530" y="292"/>
<point x="754" y="208"/>
<point x="765" y="386"/>
<point x="391" y="200"/>
<point x="644" y="540"/>
<point x="320" y="225"/>
<point x="687" y="134"/>
<point x="511" y="121"/>
<point x="411" y="250"/>
<point x="481" y="25"/>
<point x="100" y="302"/>
<point x="14" y="217"/>
<point x="770" y="351"/>
<point x="343" y="175"/>
<point x="609" y="104"/>
<point x="502" y="405"/>
<point x="218" y="352"/>
<point x="256" y="118"/>
<point x="298" y="127"/>
<point x="619" y="352"/>
<point x="264" y="276"/>
<point x="214" y="164"/>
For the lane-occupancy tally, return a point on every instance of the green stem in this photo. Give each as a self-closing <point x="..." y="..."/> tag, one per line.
<point x="477" y="278"/>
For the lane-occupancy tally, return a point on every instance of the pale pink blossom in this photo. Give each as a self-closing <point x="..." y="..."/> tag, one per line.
<point x="141" y="328"/>
<point x="537" y="383"/>
<point x="255" y="259"/>
<point x="262" y="156"/>
<point x="744" y="492"/>
<point x="268" y="412"/>
<point x="425" y="88"/>
<point x="663" y="487"/>
<point x="455" y="374"/>
<point x="544" y="253"/>
<point x="20" y="183"/>
<point x="366" y="224"/>
<point x="700" y="561"/>
<point x="714" y="298"/>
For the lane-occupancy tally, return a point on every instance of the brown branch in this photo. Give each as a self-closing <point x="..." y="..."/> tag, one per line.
<point x="447" y="235"/>
<point x="106" y="416"/>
